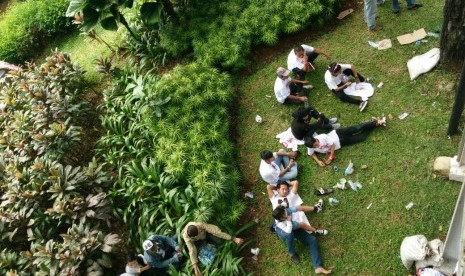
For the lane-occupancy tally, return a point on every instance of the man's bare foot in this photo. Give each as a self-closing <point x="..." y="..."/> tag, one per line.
<point x="322" y="270"/>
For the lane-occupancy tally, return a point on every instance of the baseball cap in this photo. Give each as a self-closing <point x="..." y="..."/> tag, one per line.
<point x="147" y="245"/>
<point x="283" y="72"/>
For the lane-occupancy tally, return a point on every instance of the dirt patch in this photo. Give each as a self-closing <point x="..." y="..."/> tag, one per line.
<point x="4" y="5"/>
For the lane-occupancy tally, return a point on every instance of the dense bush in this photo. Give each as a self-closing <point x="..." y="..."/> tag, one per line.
<point x="222" y="33"/>
<point x="53" y="212"/>
<point x="168" y="141"/>
<point x="26" y="26"/>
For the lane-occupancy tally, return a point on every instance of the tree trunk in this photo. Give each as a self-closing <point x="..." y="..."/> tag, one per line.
<point x="453" y="34"/>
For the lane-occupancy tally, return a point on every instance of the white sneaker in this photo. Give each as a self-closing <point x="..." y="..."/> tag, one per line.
<point x="336" y="126"/>
<point x="362" y="106"/>
<point x="308" y="86"/>
<point x="382" y="122"/>
<point x="332" y="120"/>
<point x="322" y="232"/>
<point x="319" y="206"/>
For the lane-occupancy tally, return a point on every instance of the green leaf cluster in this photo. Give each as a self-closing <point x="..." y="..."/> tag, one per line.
<point x="26" y="25"/>
<point x="222" y="33"/>
<point x="52" y="210"/>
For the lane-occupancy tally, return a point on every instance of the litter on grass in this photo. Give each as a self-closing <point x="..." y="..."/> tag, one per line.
<point x="403" y="116"/>
<point x="333" y="200"/>
<point x="249" y="195"/>
<point x="350" y="168"/>
<point x="409" y="206"/>
<point x="380" y="85"/>
<point x="258" y="119"/>
<point x="344" y="13"/>
<point x="341" y="184"/>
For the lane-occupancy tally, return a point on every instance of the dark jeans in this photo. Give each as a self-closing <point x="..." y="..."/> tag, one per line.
<point x="304" y="237"/>
<point x="355" y="134"/>
<point x="343" y="96"/>
<point x="296" y="90"/>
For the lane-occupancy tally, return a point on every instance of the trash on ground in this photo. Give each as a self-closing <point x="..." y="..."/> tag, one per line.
<point x="403" y="116"/>
<point x="341" y="184"/>
<point x="373" y="44"/>
<point x="350" y="168"/>
<point x="268" y="96"/>
<point x="333" y="200"/>
<point x="369" y="205"/>
<point x="409" y="206"/>
<point x="364" y="166"/>
<point x="380" y="85"/>
<point x="344" y="13"/>
<point x="384" y="44"/>
<point x="423" y="63"/>
<point x="355" y="186"/>
<point x="255" y="251"/>
<point x="335" y="168"/>
<point x="412" y="37"/>
<point x="249" y="195"/>
<point x="256" y="220"/>
<point x="258" y="119"/>
<point x="433" y="34"/>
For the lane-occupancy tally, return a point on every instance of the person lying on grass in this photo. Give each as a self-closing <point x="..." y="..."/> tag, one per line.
<point x="292" y="199"/>
<point x="329" y="143"/>
<point x="194" y="233"/>
<point x="284" y="221"/>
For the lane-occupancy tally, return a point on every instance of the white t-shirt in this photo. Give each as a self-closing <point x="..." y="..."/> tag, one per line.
<point x="293" y="200"/>
<point x="270" y="172"/>
<point x="282" y="89"/>
<point x="326" y="141"/>
<point x="295" y="62"/>
<point x="333" y="81"/>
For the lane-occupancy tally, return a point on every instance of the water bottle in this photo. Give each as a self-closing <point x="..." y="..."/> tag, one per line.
<point x="332" y="200"/>
<point x="409" y="206"/>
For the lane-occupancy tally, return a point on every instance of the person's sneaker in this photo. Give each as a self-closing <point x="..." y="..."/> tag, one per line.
<point x="308" y="86"/>
<point x="319" y="206"/>
<point x="295" y="258"/>
<point x="415" y="7"/>
<point x="362" y="106"/>
<point x="332" y="120"/>
<point x="336" y="126"/>
<point x="322" y="232"/>
<point x="382" y="121"/>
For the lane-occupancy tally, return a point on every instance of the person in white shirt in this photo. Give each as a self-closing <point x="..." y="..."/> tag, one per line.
<point x="301" y="59"/>
<point x="287" y="90"/>
<point x="329" y="143"/>
<point x="278" y="166"/>
<point x="337" y="79"/>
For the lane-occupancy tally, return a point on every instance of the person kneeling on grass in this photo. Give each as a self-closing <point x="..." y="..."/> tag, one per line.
<point x="195" y="232"/>
<point x="329" y="143"/>
<point x="284" y="221"/>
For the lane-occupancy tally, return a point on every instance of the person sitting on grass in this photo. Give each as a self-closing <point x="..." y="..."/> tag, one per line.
<point x="301" y="59"/>
<point x="288" y="90"/>
<point x="278" y="166"/>
<point x="301" y="126"/>
<point x="292" y="199"/>
<point x="329" y="143"/>
<point x="337" y="80"/>
<point x="284" y="221"/>
<point x="196" y="232"/>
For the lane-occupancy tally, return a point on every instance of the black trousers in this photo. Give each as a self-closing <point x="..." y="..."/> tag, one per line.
<point x="355" y="134"/>
<point x="343" y="96"/>
<point x="296" y="90"/>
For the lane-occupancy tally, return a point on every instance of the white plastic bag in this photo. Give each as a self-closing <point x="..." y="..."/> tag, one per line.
<point x="434" y="257"/>
<point x="412" y="249"/>
<point x="423" y="63"/>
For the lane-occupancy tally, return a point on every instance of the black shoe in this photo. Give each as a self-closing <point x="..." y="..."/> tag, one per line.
<point x="295" y="258"/>
<point x="415" y="7"/>
<point x="396" y="12"/>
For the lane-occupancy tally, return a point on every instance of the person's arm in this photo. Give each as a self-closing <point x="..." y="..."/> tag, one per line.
<point x="299" y="81"/>
<point x="291" y="154"/>
<point x="331" y="155"/>
<point x="191" y="248"/>
<point x="286" y="169"/>
<point x="318" y="161"/>
<point x="298" y="98"/>
<point x="322" y="52"/>
<point x="169" y="241"/>
<point x="197" y="270"/>
<point x="354" y="71"/>
<point x="344" y="86"/>
<point x="295" y="187"/>
<point x="269" y="189"/>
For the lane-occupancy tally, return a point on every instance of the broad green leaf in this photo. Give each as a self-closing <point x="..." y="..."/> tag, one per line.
<point x="74" y="7"/>
<point x="150" y="13"/>
<point x="91" y="18"/>
<point x="109" y="23"/>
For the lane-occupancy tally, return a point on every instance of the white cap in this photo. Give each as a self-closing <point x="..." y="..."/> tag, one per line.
<point x="147" y="245"/>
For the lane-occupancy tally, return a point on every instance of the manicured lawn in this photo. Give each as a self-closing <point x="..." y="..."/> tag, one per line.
<point x="399" y="157"/>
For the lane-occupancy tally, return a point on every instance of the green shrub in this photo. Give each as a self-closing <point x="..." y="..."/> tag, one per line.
<point x="26" y="26"/>
<point x="223" y="32"/>
<point x="52" y="210"/>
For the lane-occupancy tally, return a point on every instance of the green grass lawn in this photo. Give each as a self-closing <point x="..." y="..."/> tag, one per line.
<point x="399" y="157"/>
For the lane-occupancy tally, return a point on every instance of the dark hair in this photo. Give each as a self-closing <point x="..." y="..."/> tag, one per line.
<point x="281" y="183"/>
<point x="298" y="48"/>
<point x="334" y="67"/>
<point x="279" y="212"/>
<point x="266" y="154"/>
<point x="309" y="141"/>
<point x="140" y="260"/>
<point x="192" y="231"/>
<point x="131" y="256"/>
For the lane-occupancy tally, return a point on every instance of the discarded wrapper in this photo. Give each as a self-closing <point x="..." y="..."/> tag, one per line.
<point x="380" y="85"/>
<point x="255" y="251"/>
<point x="344" y="13"/>
<point x="249" y="195"/>
<point x="258" y="119"/>
<point x="369" y="206"/>
<point x="403" y="116"/>
<point x="412" y="37"/>
<point x="409" y="206"/>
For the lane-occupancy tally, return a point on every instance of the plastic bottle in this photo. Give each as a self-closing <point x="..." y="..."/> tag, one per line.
<point x="333" y="200"/>
<point x="373" y="44"/>
<point x="409" y="206"/>
<point x="349" y="169"/>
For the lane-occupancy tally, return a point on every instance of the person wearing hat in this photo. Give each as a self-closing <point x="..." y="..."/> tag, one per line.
<point x="301" y="126"/>
<point x="301" y="59"/>
<point x="162" y="251"/>
<point x="337" y="80"/>
<point x="194" y="232"/>
<point x="288" y="90"/>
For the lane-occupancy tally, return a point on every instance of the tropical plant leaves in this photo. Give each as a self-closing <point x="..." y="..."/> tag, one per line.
<point x="150" y="13"/>
<point x="91" y="18"/>
<point x="74" y="7"/>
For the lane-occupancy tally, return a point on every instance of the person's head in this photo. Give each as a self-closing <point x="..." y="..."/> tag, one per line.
<point x="282" y="188"/>
<point x="283" y="73"/>
<point x="302" y="114"/>
<point x="334" y="68"/>
<point x="192" y="231"/>
<point x="299" y="51"/>
<point x="311" y="142"/>
<point x="267" y="156"/>
<point x="150" y="246"/>
<point x="279" y="213"/>
<point x="135" y="260"/>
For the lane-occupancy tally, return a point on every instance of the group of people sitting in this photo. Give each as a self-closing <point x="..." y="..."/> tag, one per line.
<point x="162" y="251"/>
<point x="319" y="134"/>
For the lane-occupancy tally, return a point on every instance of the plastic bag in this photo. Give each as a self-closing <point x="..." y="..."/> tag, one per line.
<point x="412" y="249"/>
<point x="207" y="253"/>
